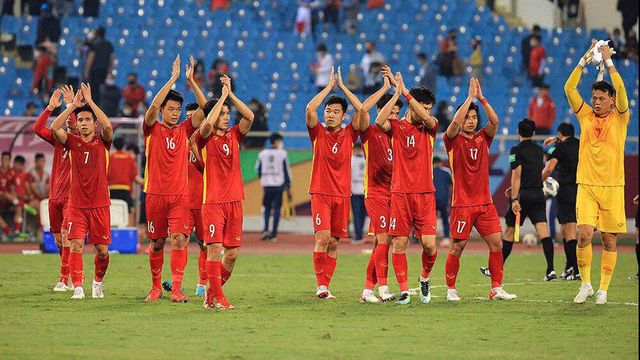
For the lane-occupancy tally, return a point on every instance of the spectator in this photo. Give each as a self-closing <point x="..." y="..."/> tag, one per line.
<point x="83" y="52"/>
<point x="61" y="8"/>
<point x="476" y="61"/>
<point x="91" y="9"/>
<point x="426" y="73"/>
<point x="123" y="171"/>
<point x="443" y="184"/>
<point x="354" y="80"/>
<point x="525" y="47"/>
<point x="219" y="68"/>
<point x="375" y="4"/>
<point x="127" y="111"/>
<point x="442" y="114"/>
<point x="536" y="61"/>
<point x="617" y="43"/>
<point x="629" y="10"/>
<point x="322" y="67"/>
<point x="371" y="65"/>
<point x="448" y="55"/>
<point x="542" y="110"/>
<point x="220" y="4"/>
<point x="303" y="17"/>
<point x="332" y="13"/>
<point x="99" y="63"/>
<point x="31" y="109"/>
<point x="274" y="172"/>
<point x="632" y="45"/>
<point x="572" y="13"/>
<point x="351" y="11"/>
<point x="133" y="93"/>
<point x="21" y="191"/>
<point x="6" y="198"/>
<point x="45" y="59"/>
<point x="48" y="26"/>
<point x="39" y="179"/>
<point x="110" y="96"/>
<point x="260" y="123"/>
<point x="358" y="168"/>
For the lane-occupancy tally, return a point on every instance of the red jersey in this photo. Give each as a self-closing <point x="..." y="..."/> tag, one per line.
<point x="122" y="171"/>
<point x="222" y="177"/>
<point x="413" y="152"/>
<point x="6" y="177"/>
<point x="469" y="161"/>
<point x="89" y="164"/>
<point x="167" y="151"/>
<point x="20" y="182"/>
<point x="331" y="170"/>
<point x="61" y="166"/>
<point x="196" y="167"/>
<point x="379" y="169"/>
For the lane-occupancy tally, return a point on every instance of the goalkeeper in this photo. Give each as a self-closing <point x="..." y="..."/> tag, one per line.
<point x="600" y="173"/>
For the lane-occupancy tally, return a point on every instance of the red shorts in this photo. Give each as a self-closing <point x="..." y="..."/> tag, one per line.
<point x="95" y="222"/>
<point x="378" y="210"/>
<point x="167" y="213"/>
<point x="330" y="213"/>
<point x="58" y="214"/>
<point x="483" y="217"/>
<point x="412" y="210"/>
<point x="222" y="223"/>
<point x="195" y="221"/>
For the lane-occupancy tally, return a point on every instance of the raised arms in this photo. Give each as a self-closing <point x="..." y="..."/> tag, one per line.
<point x="311" y="112"/>
<point x="210" y="124"/>
<point x="56" y="125"/>
<point x="622" y="102"/>
<point x="492" y="118"/>
<point x="152" y="113"/>
<point x="382" y="120"/>
<point x="352" y="99"/>
<point x="458" y="118"/>
<point x="571" y="86"/>
<point x="198" y="115"/>
<point x="103" y="120"/>
<point x="247" y="115"/>
<point x="371" y="101"/>
<point x="422" y="113"/>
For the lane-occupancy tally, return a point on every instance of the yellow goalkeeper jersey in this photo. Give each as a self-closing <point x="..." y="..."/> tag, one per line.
<point x="602" y="139"/>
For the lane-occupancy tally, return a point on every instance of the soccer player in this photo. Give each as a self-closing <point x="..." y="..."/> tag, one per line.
<point x="223" y="191"/>
<point x="196" y="168"/>
<point x="5" y="181"/>
<point x="600" y="177"/>
<point x="88" y="209"/>
<point x="527" y="161"/>
<point x="412" y="191"/>
<point x="330" y="187"/>
<point x="59" y="189"/>
<point x="166" y="183"/>
<point x="377" y="184"/>
<point x="471" y="204"/>
<point x="563" y="158"/>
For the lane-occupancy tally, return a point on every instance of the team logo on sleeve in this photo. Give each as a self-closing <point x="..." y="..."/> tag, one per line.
<point x="512" y="158"/>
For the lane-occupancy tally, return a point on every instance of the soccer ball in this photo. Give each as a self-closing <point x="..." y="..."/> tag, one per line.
<point x="550" y="187"/>
<point x="530" y="240"/>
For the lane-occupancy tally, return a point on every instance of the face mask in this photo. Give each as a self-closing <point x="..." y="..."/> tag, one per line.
<point x="132" y="82"/>
<point x="109" y="82"/>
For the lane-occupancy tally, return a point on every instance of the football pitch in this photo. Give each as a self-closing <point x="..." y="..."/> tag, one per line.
<point x="278" y="317"/>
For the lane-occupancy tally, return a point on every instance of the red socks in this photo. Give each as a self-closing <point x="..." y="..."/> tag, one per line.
<point x="319" y="263"/>
<point x="76" y="267"/>
<point x="329" y="268"/>
<point x="155" y="262"/>
<point x="495" y="267"/>
<point x="427" y="263"/>
<point x="400" y="267"/>
<point x="18" y="226"/>
<point x="6" y="230"/>
<point x="451" y="269"/>
<point x="371" y="280"/>
<point x="224" y="274"/>
<point x="202" y="267"/>
<point x="381" y="263"/>
<point x="215" y="283"/>
<point x="101" y="265"/>
<point x="178" y="262"/>
<point x="64" y="264"/>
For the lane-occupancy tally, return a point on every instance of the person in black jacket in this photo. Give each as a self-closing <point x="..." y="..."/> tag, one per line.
<point x="48" y="26"/>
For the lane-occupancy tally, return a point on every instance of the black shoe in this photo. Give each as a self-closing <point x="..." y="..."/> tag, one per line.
<point x="425" y="291"/>
<point x="567" y="274"/>
<point x="264" y="236"/>
<point x="485" y="271"/>
<point x="272" y="238"/>
<point x="551" y="276"/>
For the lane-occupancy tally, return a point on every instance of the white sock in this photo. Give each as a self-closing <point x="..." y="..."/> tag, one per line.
<point x="367" y="292"/>
<point x="423" y="279"/>
<point x="383" y="288"/>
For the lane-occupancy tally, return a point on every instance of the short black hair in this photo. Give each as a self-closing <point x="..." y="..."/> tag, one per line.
<point x="335" y="99"/>
<point x="604" y="86"/>
<point x="19" y="159"/>
<point x="536" y="28"/>
<point x="118" y="143"/>
<point x="275" y="137"/>
<point x="421" y="55"/>
<point x="82" y="108"/>
<point x="132" y="147"/>
<point x="526" y="128"/>
<point x="422" y="95"/>
<point x="39" y="156"/>
<point x="566" y="129"/>
<point x="100" y="31"/>
<point x="385" y="99"/>
<point x="6" y="153"/>
<point x="132" y="74"/>
<point x="173" y="95"/>
<point x="191" y="106"/>
<point x="321" y="47"/>
<point x="436" y="159"/>
<point x="31" y="104"/>
<point x="544" y="86"/>
<point x="210" y="104"/>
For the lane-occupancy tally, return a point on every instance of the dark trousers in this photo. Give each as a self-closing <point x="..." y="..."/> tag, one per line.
<point x="272" y="201"/>
<point x="359" y="214"/>
<point x="97" y="77"/>
<point x="443" y="208"/>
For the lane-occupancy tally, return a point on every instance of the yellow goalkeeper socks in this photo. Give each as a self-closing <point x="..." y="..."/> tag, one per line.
<point x="585" y="254"/>
<point x="609" y="259"/>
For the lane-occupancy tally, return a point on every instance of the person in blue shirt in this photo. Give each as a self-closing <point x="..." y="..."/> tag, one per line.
<point x="443" y="184"/>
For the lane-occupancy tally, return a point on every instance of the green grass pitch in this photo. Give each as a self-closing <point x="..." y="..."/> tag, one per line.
<point x="277" y="316"/>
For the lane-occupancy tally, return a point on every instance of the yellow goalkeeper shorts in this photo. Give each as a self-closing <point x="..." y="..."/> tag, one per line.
<point x="601" y="207"/>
